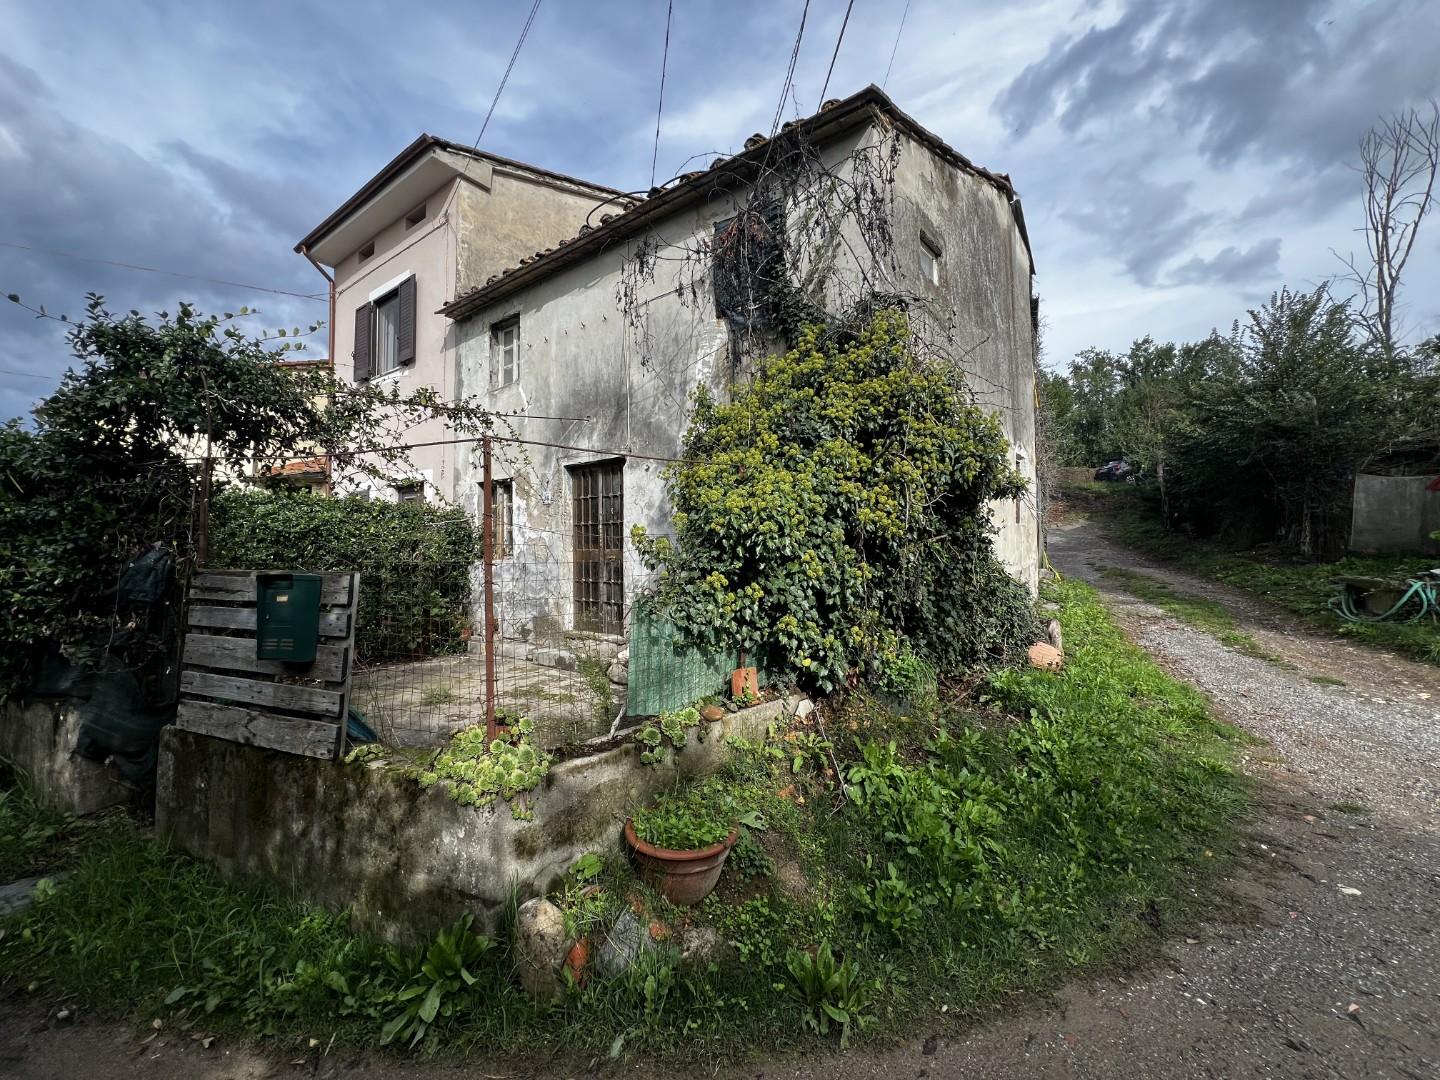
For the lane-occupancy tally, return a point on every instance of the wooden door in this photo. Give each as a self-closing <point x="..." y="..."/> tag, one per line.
<point x="599" y="517"/>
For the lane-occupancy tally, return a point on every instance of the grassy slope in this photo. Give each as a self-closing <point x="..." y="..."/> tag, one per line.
<point x="1301" y="588"/>
<point x="1054" y="826"/>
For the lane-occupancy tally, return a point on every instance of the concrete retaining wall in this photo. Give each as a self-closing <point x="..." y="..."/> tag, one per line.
<point x="407" y="861"/>
<point x="1395" y="514"/>
<point x="38" y="738"/>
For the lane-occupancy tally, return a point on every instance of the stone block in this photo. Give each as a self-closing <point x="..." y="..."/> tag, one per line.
<point x="38" y="738"/>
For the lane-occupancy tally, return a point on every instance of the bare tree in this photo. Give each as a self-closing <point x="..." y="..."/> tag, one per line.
<point x="1399" y="160"/>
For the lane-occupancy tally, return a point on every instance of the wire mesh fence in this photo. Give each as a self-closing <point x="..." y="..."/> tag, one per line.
<point x="420" y="672"/>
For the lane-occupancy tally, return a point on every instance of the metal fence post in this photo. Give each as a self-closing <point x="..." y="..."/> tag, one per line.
<point x="487" y="529"/>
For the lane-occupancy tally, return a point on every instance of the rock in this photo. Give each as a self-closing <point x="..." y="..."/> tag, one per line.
<point x="576" y="961"/>
<point x="556" y="658"/>
<point x="19" y="895"/>
<point x="702" y="945"/>
<point x="541" y="946"/>
<point x="804" y="708"/>
<point x="618" y="673"/>
<point x="711" y="713"/>
<point x="1045" y="656"/>
<point x="1052" y="631"/>
<point x="623" y="944"/>
<point x="1347" y="890"/>
<point x="623" y="656"/>
<point x="1050" y="605"/>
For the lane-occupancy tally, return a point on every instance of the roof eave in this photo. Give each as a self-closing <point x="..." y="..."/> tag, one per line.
<point x="849" y="113"/>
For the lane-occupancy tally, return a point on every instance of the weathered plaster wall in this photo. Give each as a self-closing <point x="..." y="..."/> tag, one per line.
<point x="1395" y="514"/>
<point x="980" y="312"/>
<point x="407" y="861"/>
<point x="582" y="357"/>
<point x="475" y="226"/>
<point x="38" y="738"/>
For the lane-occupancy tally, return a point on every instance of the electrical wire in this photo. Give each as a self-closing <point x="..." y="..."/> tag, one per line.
<point x="844" y="23"/>
<point x="660" y="107"/>
<point x="789" y="72"/>
<point x="167" y="273"/>
<point x="895" y="48"/>
<point x="30" y="374"/>
<point x="475" y="146"/>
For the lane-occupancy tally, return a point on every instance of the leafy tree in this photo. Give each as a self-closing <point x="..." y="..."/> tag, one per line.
<point x="1281" y="424"/>
<point x="111" y="463"/>
<point x="835" y="513"/>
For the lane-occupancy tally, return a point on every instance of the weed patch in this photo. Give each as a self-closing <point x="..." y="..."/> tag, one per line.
<point x="1196" y="611"/>
<point x="953" y="855"/>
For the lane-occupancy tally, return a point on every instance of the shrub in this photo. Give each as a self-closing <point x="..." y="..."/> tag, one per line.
<point x="837" y="511"/>
<point x="414" y="560"/>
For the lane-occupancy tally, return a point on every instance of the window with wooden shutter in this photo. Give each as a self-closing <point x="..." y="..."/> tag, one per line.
<point x="405" y="330"/>
<point x="362" y="343"/>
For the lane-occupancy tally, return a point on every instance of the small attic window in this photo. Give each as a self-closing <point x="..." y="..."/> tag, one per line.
<point x="929" y="259"/>
<point x="415" y="216"/>
<point x="367" y="251"/>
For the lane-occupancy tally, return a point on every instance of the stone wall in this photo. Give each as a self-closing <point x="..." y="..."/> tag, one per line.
<point x="38" y="738"/>
<point x="1395" y="515"/>
<point x="408" y="861"/>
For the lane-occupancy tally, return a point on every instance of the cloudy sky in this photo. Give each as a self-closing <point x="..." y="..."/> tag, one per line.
<point x="1179" y="159"/>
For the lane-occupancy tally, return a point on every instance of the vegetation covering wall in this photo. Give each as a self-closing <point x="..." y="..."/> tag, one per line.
<point x="832" y="520"/>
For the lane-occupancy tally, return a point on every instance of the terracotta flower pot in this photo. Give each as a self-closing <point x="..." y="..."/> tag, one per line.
<point x="682" y="877"/>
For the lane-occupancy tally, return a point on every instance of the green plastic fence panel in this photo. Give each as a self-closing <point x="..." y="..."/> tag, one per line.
<point x="664" y="676"/>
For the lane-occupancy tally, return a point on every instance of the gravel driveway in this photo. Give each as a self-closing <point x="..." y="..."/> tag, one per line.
<point x="1330" y="966"/>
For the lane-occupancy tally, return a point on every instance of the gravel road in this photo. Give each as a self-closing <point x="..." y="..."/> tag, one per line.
<point x="1329" y="966"/>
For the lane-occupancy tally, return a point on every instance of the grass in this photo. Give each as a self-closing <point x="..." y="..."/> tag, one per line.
<point x="1326" y="680"/>
<point x="29" y="834"/>
<point x="1197" y="611"/>
<point x="1057" y="824"/>
<point x="1349" y="808"/>
<point x="1302" y="588"/>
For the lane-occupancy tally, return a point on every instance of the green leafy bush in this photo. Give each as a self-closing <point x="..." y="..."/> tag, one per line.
<point x="829" y="991"/>
<point x="414" y="560"/>
<point x="684" y="821"/>
<point x="437" y="985"/>
<point x="804" y="535"/>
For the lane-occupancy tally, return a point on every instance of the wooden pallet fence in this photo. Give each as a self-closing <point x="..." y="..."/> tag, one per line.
<point x="228" y="692"/>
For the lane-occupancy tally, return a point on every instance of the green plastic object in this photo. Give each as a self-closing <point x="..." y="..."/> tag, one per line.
<point x="287" y="620"/>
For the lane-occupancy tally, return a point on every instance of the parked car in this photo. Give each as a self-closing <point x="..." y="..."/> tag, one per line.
<point x="1114" y="470"/>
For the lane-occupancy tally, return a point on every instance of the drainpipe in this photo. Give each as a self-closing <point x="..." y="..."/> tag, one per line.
<point x="330" y="335"/>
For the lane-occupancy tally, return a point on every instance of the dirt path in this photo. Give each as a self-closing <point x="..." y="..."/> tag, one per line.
<point x="1333" y="970"/>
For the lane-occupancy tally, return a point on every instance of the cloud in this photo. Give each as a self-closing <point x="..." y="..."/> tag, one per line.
<point x="1231" y="265"/>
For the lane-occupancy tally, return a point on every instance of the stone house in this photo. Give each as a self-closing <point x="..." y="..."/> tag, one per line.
<point x="620" y="323"/>
<point x="435" y="222"/>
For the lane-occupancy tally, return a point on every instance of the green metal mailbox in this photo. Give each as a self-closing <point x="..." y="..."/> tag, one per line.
<point x="287" y="619"/>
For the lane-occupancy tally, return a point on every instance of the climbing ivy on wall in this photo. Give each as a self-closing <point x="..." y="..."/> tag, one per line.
<point x="832" y="518"/>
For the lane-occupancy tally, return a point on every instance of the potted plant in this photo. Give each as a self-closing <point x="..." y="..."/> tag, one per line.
<point x="682" y="841"/>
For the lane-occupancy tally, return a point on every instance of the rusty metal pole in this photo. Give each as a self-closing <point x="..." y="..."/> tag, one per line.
<point x="487" y="532"/>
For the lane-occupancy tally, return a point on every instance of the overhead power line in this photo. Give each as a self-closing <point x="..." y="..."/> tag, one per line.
<point x="167" y="273"/>
<point x="514" y="53"/>
<point x="895" y="48"/>
<point x="844" y="23"/>
<point x="660" y="107"/>
<point x="30" y="374"/>
<point x="789" y="74"/>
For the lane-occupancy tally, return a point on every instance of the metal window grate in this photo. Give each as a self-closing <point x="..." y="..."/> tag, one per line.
<point x="599" y="524"/>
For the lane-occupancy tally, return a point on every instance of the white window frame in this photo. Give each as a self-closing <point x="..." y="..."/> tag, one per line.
<point x="930" y="256"/>
<point x="385" y="335"/>
<point x="505" y="350"/>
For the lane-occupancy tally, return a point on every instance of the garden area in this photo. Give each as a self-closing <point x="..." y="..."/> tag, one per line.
<point x="896" y="859"/>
